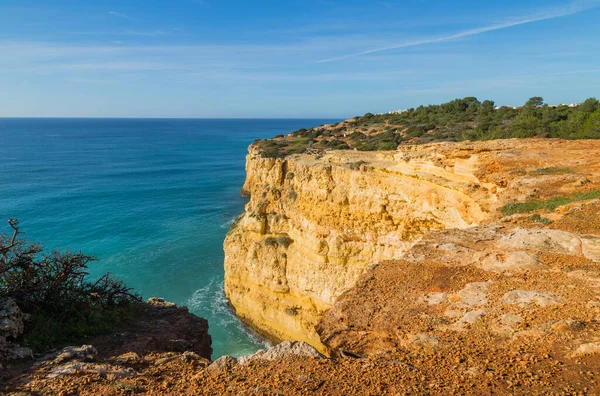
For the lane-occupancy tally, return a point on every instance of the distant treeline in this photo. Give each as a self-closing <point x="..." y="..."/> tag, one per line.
<point x="470" y="119"/>
<point x="457" y="120"/>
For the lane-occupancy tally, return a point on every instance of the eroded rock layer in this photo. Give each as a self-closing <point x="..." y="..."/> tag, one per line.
<point x="315" y="224"/>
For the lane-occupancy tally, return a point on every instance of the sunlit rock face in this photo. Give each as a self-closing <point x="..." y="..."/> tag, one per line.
<point x="315" y="224"/>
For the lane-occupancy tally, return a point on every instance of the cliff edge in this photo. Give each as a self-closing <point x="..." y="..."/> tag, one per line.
<point x="315" y="224"/>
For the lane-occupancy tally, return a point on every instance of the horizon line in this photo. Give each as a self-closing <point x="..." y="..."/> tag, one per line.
<point x="166" y="118"/>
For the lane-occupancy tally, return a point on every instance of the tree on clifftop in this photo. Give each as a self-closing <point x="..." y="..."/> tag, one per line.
<point x="534" y="102"/>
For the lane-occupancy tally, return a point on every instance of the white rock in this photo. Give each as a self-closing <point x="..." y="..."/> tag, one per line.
<point x="587" y="349"/>
<point x="472" y="316"/>
<point x="91" y="368"/>
<point x="511" y="261"/>
<point x="510" y="320"/>
<point x="473" y="294"/>
<point x="84" y="352"/>
<point x="524" y="297"/>
<point x="11" y="326"/>
<point x="222" y="362"/>
<point x="435" y="298"/>
<point x="281" y="351"/>
<point x="590" y="245"/>
<point x="554" y="241"/>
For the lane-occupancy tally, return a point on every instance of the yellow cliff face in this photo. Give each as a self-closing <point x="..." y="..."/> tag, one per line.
<point x="315" y="224"/>
<point x="312" y="226"/>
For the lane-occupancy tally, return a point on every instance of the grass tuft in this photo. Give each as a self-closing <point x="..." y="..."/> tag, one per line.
<point x="552" y="171"/>
<point x="547" y="205"/>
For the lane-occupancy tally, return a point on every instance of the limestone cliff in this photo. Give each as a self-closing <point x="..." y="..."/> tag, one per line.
<point x="314" y="224"/>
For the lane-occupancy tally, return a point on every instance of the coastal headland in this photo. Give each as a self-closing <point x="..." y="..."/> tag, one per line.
<point x="440" y="267"/>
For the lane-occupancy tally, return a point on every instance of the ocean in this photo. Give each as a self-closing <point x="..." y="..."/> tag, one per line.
<point x="152" y="199"/>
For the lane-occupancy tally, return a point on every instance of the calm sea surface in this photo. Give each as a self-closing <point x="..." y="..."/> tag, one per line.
<point x="152" y="199"/>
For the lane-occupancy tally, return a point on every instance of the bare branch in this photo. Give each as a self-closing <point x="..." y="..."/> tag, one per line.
<point x="14" y="224"/>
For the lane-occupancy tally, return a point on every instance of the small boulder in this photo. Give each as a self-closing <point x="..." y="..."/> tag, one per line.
<point x="105" y="370"/>
<point x="590" y="246"/>
<point x="281" y="351"/>
<point x="587" y="349"/>
<point x="243" y="360"/>
<point x="82" y="353"/>
<point x="161" y="302"/>
<point x="224" y="362"/>
<point x="291" y="348"/>
<point x="11" y="326"/>
<point x="128" y="358"/>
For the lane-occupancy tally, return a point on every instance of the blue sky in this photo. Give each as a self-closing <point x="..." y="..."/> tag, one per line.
<point x="310" y="58"/>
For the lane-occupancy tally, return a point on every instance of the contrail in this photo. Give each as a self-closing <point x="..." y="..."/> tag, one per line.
<point x="573" y="8"/>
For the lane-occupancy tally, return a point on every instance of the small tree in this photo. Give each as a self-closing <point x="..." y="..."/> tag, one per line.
<point x="591" y="128"/>
<point x="535" y="101"/>
<point x="589" y="106"/>
<point x="488" y="105"/>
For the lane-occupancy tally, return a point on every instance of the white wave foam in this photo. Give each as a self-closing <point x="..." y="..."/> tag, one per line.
<point x="229" y="222"/>
<point x="210" y="301"/>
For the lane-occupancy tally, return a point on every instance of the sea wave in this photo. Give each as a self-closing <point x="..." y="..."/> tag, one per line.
<point x="210" y="302"/>
<point x="229" y="222"/>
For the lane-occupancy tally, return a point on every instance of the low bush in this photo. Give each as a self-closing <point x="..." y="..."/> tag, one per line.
<point x="284" y="241"/>
<point x="54" y="288"/>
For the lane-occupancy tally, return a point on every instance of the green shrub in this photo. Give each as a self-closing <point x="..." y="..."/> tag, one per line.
<point x="356" y="165"/>
<point x="283" y="240"/>
<point x="55" y="289"/>
<point x="334" y="144"/>
<point x="552" y="171"/>
<point x="293" y="195"/>
<point x="539" y="219"/>
<point x="548" y="205"/>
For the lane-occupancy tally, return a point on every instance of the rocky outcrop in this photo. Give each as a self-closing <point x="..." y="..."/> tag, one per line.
<point x="445" y="295"/>
<point x="159" y="337"/>
<point x="11" y="326"/>
<point x="159" y="326"/>
<point x="284" y="350"/>
<point x="314" y="225"/>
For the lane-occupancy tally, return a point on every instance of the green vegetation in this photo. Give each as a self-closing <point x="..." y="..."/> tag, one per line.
<point x="551" y="171"/>
<point x="457" y="120"/>
<point x="470" y="119"/>
<point x="284" y="241"/>
<point x="549" y="204"/>
<point x="55" y="290"/>
<point x="539" y="219"/>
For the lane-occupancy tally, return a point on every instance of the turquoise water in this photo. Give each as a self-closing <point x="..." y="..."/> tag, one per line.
<point x="152" y="199"/>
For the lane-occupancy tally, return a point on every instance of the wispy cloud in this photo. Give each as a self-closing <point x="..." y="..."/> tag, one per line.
<point x="119" y="15"/>
<point x="138" y="33"/>
<point x="567" y="10"/>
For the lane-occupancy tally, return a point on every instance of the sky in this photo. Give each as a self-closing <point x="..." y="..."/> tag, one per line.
<point x="289" y="59"/>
